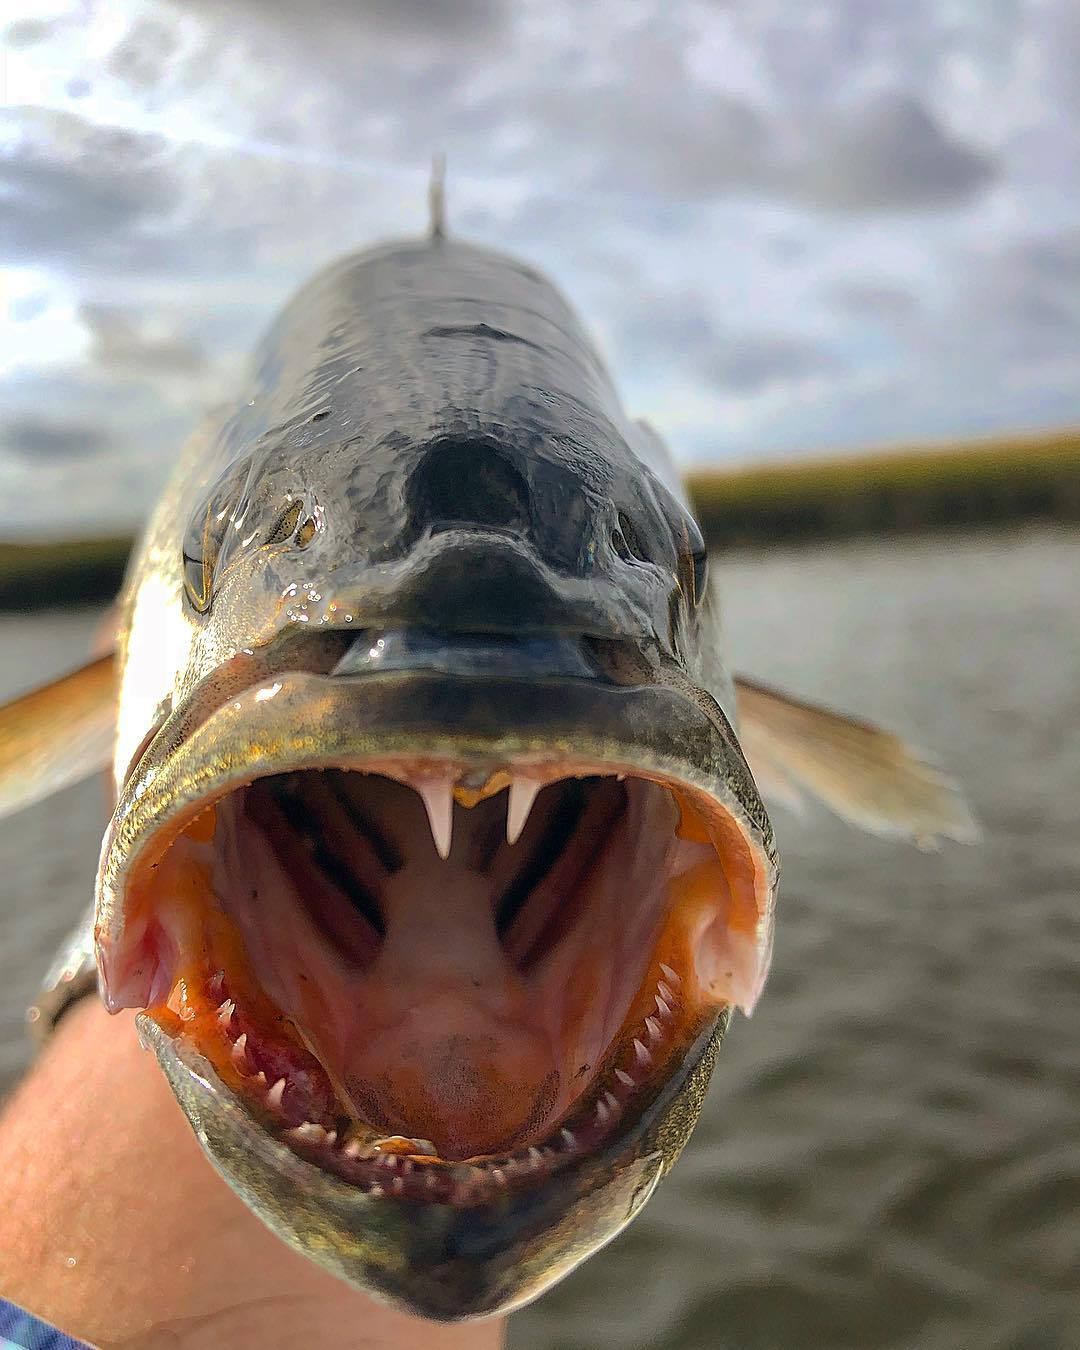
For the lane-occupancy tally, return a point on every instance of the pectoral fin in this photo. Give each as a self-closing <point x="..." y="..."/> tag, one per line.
<point x="57" y="735"/>
<point x="868" y="776"/>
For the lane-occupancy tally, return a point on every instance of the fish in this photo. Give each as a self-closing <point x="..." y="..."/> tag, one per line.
<point x="439" y="862"/>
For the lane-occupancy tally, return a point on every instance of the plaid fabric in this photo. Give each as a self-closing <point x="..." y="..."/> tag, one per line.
<point x="21" y="1330"/>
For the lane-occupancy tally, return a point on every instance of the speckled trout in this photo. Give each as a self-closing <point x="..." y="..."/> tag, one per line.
<point x="438" y="863"/>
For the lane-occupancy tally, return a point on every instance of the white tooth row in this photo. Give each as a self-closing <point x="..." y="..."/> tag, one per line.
<point x="609" y="1106"/>
<point x="238" y="1054"/>
<point x="437" y="794"/>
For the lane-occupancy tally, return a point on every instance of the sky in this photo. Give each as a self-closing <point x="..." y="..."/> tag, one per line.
<point x="792" y="227"/>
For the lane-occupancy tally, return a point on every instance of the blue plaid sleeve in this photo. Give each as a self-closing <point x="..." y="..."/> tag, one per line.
<point x="20" y="1330"/>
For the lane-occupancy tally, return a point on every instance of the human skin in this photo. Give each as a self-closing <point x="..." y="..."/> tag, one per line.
<point x="115" y="1228"/>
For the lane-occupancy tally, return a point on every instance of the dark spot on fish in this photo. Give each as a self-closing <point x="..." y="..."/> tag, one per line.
<point x="320" y="416"/>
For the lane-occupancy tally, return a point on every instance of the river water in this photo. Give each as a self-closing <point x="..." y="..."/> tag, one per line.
<point x="890" y="1154"/>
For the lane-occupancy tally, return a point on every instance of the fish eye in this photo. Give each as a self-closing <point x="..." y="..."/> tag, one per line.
<point x="287" y="523"/>
<point x="212" y="540"/>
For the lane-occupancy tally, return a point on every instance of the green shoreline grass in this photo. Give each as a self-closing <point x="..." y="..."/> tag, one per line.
<point x="1000" y="481"/>
<point x="1007" y="479"/>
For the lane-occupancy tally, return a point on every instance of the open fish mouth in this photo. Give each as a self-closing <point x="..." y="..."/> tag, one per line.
<point x="444" y="968"/>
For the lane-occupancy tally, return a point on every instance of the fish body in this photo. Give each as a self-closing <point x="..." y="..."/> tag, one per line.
<point x="437" y="868"/>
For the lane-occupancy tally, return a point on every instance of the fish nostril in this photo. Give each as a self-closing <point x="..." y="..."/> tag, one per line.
<point x="468" y="482"/>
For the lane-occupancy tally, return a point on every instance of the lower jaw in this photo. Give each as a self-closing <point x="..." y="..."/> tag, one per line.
<point x="493" y="1251"/>
<point x="286" y="1094"/>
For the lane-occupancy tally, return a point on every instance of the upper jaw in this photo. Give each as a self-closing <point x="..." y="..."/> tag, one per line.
<point x="455" y="726"/>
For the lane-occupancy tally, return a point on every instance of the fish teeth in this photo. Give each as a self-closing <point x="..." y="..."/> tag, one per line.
<point x="625" y="1079"/>
<point x="437" y="794"/>
<point x="653" y="1028"/>
<point x="238" y="1053"/>
<point x="670" y="975"/>
<point x="520" y="798"/>
<point x="665" y="990"/>
<point x="276" y="1093"/>
<point x="661" y="1007"/>
<point x="641" y="1054"/>
<point x="603" y="1112"/>
<point x="568" y="1139"/>
<point x="225" y="1013"/>
<point x="536" y="1158"/>
<point x="310" y="1133"/>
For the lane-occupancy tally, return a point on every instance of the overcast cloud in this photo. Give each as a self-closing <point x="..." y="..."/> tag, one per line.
<point x="792" y="226"/>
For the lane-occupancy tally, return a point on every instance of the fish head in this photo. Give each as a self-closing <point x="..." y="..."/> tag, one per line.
<point x="439" y="871"/>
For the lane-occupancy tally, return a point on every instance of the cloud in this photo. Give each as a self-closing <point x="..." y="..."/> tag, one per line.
<point x="749" y="361"/>
<point x="863" y="298"/>
<point x="122" y="342"/>
<point x="37" y="438"/>
<point x="887" y="153"/>
<point x="65" y="181"/>
<point x="790" y="226"/>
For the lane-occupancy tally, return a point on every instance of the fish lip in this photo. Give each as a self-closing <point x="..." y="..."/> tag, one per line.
<point x="298" y="720"/>
<point x="439" y="1260"/>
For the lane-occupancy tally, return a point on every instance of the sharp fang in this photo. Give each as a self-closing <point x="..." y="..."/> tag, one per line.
<point x="567" y="1138"/>
<point x="520" y="800"/>
<point x="653" y="1027"/>
<point x="625" y="1079"/>
<point x="376" y="1190"/>
<point x="238" y="1053"/>
<point x="641" y="1054"/>
<point x="438" y="798"/>
<point x="225" y="1012"/>
<point x="276" y="1093"/>
<point x="665" y="992"/>
<point x="662" y="1008"/>
<point x="670" y="975"/>
<point x="603" y="1113"/>
<point x="536" y="1157"/>
<point x="260" y="1079"/>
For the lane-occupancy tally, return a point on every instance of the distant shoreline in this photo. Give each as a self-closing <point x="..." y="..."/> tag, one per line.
<point x="994" y="482"/>
<point x="895" y="491"/>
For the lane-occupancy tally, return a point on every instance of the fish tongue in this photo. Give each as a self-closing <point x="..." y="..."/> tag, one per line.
<point x="456" y="1055"/>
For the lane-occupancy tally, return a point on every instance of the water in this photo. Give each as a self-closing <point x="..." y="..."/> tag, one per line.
<point x="890" y="1155"/>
